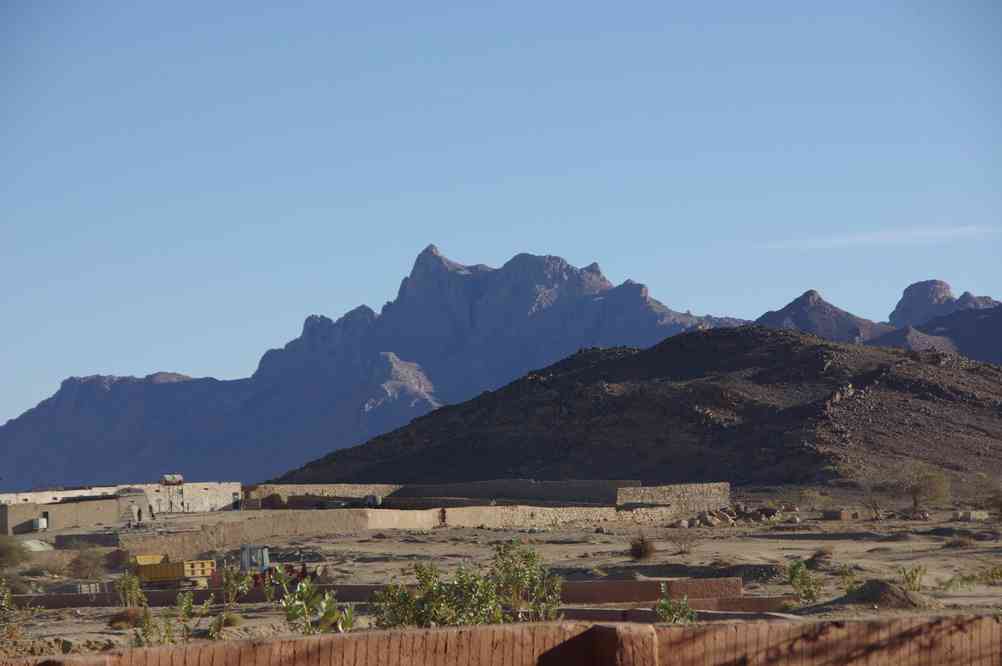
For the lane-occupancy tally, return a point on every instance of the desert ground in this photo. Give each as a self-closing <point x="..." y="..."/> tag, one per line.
<point x="838" y="554"/>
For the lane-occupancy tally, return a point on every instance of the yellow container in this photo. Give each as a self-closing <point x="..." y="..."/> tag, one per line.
<point x="166" y="571"/>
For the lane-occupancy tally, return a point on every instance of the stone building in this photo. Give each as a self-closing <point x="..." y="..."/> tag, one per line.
<point x="80" y="511"/>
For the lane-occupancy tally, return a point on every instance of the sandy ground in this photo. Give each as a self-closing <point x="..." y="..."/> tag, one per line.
<point x="758" y="553"/>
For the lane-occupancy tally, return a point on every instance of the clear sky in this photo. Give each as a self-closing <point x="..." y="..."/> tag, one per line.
<point x="181" y="183"/>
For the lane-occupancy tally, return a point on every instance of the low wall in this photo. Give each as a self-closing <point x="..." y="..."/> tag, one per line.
<point x="520" y="516"/>
<point x="350" y="490"/>
<point x="258" y="526"/>
<point x="946" y="641"/>
<point x="686" y="497"/>
<point x="574" y="491"/>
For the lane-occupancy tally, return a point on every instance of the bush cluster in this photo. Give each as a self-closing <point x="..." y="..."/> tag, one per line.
<point x="516" y="587"/>
<point x="804" y="583"/>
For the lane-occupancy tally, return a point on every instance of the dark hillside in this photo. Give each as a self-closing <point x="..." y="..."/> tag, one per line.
<point x="743" y="404"/>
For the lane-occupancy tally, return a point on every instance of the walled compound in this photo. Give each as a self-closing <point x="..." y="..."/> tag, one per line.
<point x="497" y="503"/>
<point x="108" y="505"/>
<point x="183" y="497"/>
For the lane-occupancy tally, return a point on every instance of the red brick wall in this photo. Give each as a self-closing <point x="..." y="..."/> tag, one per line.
<point x="922" y="641"/>
<point x="947" y="641"/>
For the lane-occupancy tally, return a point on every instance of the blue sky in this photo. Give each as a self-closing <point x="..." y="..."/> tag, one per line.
<point x="182" y="183"/>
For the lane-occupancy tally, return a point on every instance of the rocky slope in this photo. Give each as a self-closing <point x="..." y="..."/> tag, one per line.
<point x="923" y="301"/>
<point x="812" y="314"/>
<point x="746" y="404"/>
<point x="452" y="331"/>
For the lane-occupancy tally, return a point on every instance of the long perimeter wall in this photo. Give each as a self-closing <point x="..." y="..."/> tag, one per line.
<point x="258" y="526"/>
<point x="687" y="497"/>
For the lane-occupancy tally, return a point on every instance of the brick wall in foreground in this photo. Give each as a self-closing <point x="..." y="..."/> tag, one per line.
<point x="946" y="641"/>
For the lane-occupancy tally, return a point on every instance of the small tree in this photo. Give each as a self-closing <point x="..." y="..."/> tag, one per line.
<point x="804" y="583"/>
<point x="875" y="486"/>
<point x="923" y="484"/>
<point x="130" y="591"/>
<point x="235" y="583"/>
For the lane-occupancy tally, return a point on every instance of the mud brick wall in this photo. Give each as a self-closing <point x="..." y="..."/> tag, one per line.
<point x="263" y="525"/>
<point x="348" y="490"/>
<point x="686" y="498"/>
<point x="947" y="641"/>
<point x="574" y="491"/>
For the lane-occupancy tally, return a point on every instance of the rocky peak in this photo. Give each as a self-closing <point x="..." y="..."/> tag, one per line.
<point x="812" y="314"/>
<point x="810" y="298"/>
<point x="929" y="299"/>
<point x="431" y="262"/>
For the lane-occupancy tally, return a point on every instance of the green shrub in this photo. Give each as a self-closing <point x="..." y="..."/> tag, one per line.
<point x="912" y="577"/>
<point x="12" y="552"/>
<point x="467" y="598"/>
<point x="847" y="579"/>
<point x="308" y="611"/>
<point x="176" y="626"/>
<point x="515" y="588"/>
<point x="673" y="611"/>
<point x="642" y="548"/>
<point x="235" y="583"/>
<point x="523" y="584"/>
<point x="805" y="585"/>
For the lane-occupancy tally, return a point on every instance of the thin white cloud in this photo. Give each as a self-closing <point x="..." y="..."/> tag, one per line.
<point x="912" y="236"/>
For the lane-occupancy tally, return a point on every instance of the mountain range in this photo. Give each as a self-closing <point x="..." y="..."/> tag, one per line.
<point x="452" y="332"/>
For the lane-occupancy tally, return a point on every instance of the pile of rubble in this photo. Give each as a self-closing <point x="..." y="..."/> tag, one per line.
<point x="742" y="514"/>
